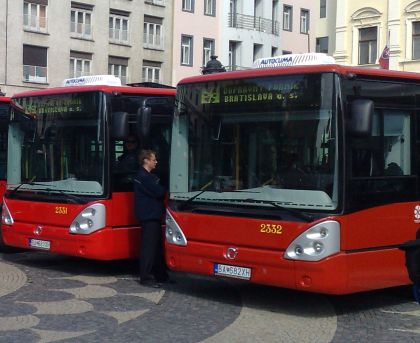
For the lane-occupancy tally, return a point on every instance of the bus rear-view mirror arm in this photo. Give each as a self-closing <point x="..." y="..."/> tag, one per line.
<point x="144" y="119"/>
<point x="361" y="117"/>
<point x="119" y="125"/>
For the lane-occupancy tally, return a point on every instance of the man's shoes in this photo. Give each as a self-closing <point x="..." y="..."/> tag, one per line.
<point x="150" y="283"/>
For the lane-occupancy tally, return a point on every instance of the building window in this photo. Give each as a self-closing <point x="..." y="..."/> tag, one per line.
<point x="274" y="51"/>
<point x="287" y="17"/>
<point x="186" y="50"/>
<point x="151" y="71"/>
<point x="322" y="45"/>
<point x="208" y="50"/>
<point x="35" y="17"/>
<point x="323" y="9"/>
<point x="368" y="45"/>
<point x="304" y="21"/>
<point x="81" y="23"/>
<point x="234" y="49"/>
<point x="118" y="28"/>
<point x="257" y="51"/>
<point x="152" y="33"/>
<point x="416" y="40"/>
<point x="210" y="7"/>
<point x="34" y="64"/>
<point x="286" y="52"/>
<point x="118" y="66"/>
<point x="188" y="5"/>
<point x="155" y="2"/>
<point x="80" y="64"/>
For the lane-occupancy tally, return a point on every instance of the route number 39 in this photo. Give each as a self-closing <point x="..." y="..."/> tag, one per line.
<point x="271" y="228"/>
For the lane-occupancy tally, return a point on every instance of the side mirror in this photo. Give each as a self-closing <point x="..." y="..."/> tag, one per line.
<point x="361" y="117"/>
<point x="144" y="120"/>
<point x="119" y="125"/>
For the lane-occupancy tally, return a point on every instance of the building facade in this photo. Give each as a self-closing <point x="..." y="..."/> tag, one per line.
<point x="46" y="41"/>
<point x="359" y="31"/>
<point x="298" y="34"/>
<point x="196" y="36"/>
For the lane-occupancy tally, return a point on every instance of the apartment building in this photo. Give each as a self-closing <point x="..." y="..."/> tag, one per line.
<point x="251" y="30"/>
<point x="359" y="30"/>
<point x="237" y="31"/>
<point x="44" y="42"/>
<point x="298" y="34"/>
<point x="196" y="36"/>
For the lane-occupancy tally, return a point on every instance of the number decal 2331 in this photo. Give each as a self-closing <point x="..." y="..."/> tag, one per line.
<point x="271" y="228"/>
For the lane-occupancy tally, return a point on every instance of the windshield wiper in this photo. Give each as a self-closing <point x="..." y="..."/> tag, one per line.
<point x="30" y="183"/>
<point x="306" y="217"/>
<point x="74" y="199"/>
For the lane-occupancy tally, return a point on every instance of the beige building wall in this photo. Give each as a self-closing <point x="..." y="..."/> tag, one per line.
<point x="60" y="42"/>
<point x="394" y="20"/>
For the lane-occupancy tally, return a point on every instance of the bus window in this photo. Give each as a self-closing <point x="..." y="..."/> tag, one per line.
<point x="381" y="162"/>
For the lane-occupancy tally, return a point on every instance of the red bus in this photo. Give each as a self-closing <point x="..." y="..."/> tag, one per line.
<point x="67" y="192"/>
<point x="305" y="177"/>
<point x="4" y="117"/>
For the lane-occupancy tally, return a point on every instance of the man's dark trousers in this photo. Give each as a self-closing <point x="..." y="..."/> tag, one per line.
<point x="152" y="260"/>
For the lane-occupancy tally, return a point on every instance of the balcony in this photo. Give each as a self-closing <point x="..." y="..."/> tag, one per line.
<point x="80" y="30"/>
<point x="35" y="74"/>
<point x="34" y="23"/>
<point x="250" y="22"/>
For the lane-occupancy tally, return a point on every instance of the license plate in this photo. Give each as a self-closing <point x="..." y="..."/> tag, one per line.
<point x="232" y="271"/>
<point x="37" y="243"/>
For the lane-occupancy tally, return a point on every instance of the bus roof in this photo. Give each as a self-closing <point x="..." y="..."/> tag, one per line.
<point x="103" y="88"/>
<point x="335" y="68"/>
<point x="4" y="99"/>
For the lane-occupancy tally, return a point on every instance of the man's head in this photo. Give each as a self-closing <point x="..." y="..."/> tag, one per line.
<point x="148" y="159"/>
<point x="130" y="143"/>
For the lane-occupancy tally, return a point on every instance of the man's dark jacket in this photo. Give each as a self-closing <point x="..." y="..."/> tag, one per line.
<point x="148" y="196"/>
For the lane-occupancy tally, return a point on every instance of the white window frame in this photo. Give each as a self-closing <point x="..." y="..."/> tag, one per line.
<point x="188" y="5"/>
<point x="371" y="58"/>
<point x="32" y="20"/>
<point x="153" y="35"/>
<point x="85" y="66"/>
<point x="117" y="35"/>
<point x="186" y="50"/>
<point x="287" y="17"/>
<point x="210" y="7"/>
<point x="119" y="70"/>
<point x="208" y="50"/>
<point x="151" y="71"/>
<point x="304" y="21"/>
<point x="81" y="30"/>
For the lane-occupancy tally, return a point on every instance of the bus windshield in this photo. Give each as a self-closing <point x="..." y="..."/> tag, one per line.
<point x="256" y="141"/>
<point x="56" y="144"/>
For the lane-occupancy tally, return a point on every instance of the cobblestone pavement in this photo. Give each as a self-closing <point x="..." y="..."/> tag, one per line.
<point x="49" y="298"/>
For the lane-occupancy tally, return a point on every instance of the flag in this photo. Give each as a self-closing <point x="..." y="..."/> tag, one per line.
<point x="384" y="59"/>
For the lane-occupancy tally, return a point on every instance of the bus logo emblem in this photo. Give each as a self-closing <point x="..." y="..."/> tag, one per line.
<point x="38" y="230"/>
<point x="231" y="253"/>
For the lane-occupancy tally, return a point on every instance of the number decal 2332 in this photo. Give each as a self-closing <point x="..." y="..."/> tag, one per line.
<point x="271" y="228"/>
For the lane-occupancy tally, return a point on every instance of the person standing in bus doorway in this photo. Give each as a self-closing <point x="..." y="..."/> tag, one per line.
<point x="149" y="209"/>
<point x="128" y="161"/>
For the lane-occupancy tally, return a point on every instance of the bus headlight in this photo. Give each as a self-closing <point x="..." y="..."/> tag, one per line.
<point x="6" y="216"/>
<point x="91" y="219"/>
<point x="173" y="232"/>
<point x="316" y="243"/>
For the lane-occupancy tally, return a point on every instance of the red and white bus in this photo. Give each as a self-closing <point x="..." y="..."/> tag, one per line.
<point x="66" y="190"/>
<point x="303" y="177"/>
